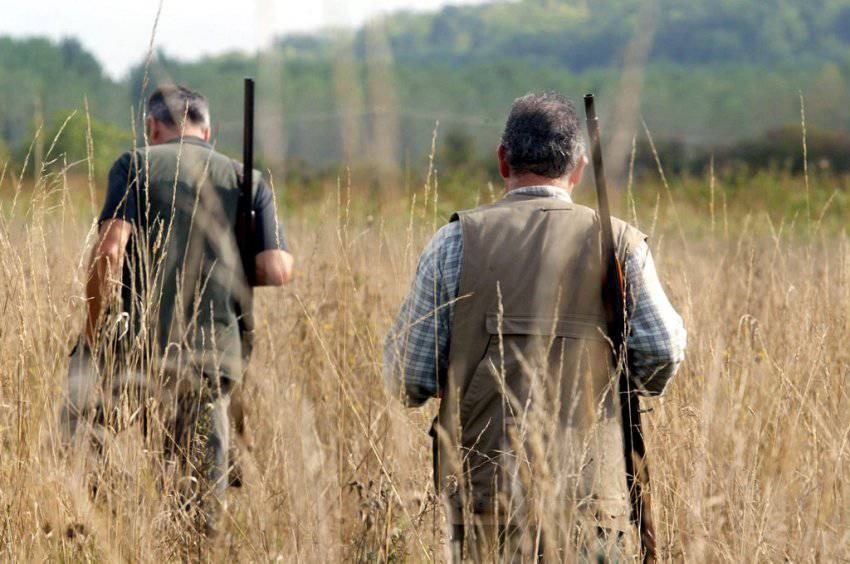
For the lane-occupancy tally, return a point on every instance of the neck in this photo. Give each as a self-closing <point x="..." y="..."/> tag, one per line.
<point x="526" y="180"/>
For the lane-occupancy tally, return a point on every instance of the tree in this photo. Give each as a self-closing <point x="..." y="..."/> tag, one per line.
<point x="76" y="58"/>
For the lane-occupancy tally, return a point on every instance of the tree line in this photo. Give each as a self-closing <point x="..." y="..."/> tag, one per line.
<point x="720" y="75"/>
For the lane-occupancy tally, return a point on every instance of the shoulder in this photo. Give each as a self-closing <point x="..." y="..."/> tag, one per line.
<point x="617" y="223"/>
<point x="628" y="236"/>
<point x="236" y="167"/>
<point x="631" y="241"/>
<point x="623" y="231"/>
<point x="124" y="160"/>
<point x="448" y="232"/>
<point x="124" y="169"/>
<point x="627" y="232"/>
<point x="443" y="252"/>
<point x="478" y="211"/>
<point x="446" y="240"/>
<point x="587" y="212"/>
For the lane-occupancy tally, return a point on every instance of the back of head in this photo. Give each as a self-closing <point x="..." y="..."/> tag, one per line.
<point x="169" y="104"/>
<point x="542" y="136"/>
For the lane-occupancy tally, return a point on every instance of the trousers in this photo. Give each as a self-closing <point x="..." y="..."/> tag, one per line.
<point x="509" y="544"/>
<point x="189" y="411"/>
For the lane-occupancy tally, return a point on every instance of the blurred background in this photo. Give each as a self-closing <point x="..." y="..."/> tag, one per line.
<point x="362" y="84"/>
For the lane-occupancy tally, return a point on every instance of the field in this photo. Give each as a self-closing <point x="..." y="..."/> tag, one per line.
<point x="749" y="447"/>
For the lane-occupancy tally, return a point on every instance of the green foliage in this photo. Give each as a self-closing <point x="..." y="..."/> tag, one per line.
<point x="38" y="77"/>
<point x="68" y="134"/>
<point x="783" y="149"/>
<point x="739" y="192"/>
<point x="457" y="151"/>
<point x="719" y="72"/>
<point x="580" y="34"/>
<point x="5" y="154"/>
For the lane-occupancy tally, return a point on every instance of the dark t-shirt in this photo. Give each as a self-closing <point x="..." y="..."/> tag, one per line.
<point x="122" y="203"/>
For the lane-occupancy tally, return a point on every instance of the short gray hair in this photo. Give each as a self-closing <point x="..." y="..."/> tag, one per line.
<point x="542" y="136"/>
<point x="169" y="103"/>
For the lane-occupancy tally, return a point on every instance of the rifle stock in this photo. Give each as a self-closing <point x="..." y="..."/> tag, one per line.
<point x="245" y="215"/>
<point x="614" y="294"/>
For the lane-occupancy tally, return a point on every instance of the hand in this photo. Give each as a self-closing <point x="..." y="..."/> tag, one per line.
<point x="88" y="340"/>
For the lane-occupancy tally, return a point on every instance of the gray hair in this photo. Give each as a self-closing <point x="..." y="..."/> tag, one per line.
<point x="542" y="136"/>
<point x="169" y="103"/>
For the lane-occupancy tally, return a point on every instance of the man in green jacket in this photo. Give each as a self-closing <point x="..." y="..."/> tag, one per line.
<point x="181" y="331"/>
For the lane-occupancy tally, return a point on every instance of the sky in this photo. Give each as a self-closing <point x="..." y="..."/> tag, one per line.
<point x="118" y="32"/>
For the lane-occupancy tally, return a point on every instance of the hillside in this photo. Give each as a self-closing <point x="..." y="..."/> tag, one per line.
<point x="717" y="72"/>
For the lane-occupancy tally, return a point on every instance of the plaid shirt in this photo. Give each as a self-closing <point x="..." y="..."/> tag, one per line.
<point x="416" y="351"/>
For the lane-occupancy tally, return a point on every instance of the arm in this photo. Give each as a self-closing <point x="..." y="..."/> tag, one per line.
<point x="104" y="269"/>
<point x="273" y="263"/>
<point x="115" y="227"/>
<point x="274" y="267"/>
<point x="657" y="337"/>
<point x="416" y="351"/>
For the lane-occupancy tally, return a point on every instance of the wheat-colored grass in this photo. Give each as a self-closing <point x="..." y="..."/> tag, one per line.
<point x="748" y="448"/>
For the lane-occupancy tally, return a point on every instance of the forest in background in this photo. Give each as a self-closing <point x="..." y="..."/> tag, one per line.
<point x="721" y="78"/>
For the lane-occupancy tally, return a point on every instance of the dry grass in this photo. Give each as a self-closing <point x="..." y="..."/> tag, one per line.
<point x="748" y="448"/>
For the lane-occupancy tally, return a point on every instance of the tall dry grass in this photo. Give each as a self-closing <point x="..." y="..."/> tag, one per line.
<point x="748" y="448"/>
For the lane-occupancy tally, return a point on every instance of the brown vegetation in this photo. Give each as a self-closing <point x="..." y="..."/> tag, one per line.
<point x="748" y="448"/>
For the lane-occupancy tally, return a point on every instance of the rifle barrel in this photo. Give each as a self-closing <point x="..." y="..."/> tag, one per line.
<point x="634" y="449"/>
<point x="245" y="219"/>
<point x="599" y="173"/>
<point x="248" y="141"/>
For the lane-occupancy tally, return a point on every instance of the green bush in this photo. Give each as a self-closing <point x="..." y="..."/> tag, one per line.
<point x="70" y="143"/>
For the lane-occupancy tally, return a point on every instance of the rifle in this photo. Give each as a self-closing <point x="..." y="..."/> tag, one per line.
<point x="614" y="295"/>
<point x="245" y="215"/>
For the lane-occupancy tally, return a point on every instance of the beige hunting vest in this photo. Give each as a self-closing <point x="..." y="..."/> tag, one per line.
<point x="530" y="409"/>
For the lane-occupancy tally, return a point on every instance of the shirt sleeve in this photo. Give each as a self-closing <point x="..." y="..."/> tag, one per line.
<point x="657" y="337"/>
<point x="269" y="231"/>
<point x="416" y="351"/>
<point x="121" y="193"/>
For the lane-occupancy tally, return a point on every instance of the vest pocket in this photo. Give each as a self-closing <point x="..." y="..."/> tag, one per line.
<point x="520" y="345"/>
<point x="574" y="326"/>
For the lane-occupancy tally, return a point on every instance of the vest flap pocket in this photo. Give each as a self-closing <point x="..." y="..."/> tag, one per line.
<point x="573" y="327"/>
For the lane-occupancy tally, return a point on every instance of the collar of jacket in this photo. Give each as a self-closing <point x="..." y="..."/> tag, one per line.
<point x="191" y="140"/>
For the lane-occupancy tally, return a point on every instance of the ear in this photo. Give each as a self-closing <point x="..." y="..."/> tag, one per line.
<point x="578" y="171"/>
<point x="153" y="129"/>
<point x="504" y="167"/>
<point x="205" y="134"/>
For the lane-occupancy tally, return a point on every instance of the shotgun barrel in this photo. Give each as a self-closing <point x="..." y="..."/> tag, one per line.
<point x="245" y="215"/>
<point x="614" y="295"/>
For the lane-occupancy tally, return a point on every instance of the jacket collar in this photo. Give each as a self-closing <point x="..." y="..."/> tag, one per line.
<point x="191" y="140"/>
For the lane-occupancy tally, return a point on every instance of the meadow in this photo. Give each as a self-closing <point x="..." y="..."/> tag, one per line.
<point x="748" y="448"/>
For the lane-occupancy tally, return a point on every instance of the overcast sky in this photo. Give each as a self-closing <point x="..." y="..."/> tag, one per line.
<point x="118" y="31"/>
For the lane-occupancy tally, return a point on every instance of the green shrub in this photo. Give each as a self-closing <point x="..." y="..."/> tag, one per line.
<point x="70" y="143"/>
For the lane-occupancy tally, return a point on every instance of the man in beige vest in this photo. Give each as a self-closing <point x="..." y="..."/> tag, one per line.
<point x="506" y="324"/>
